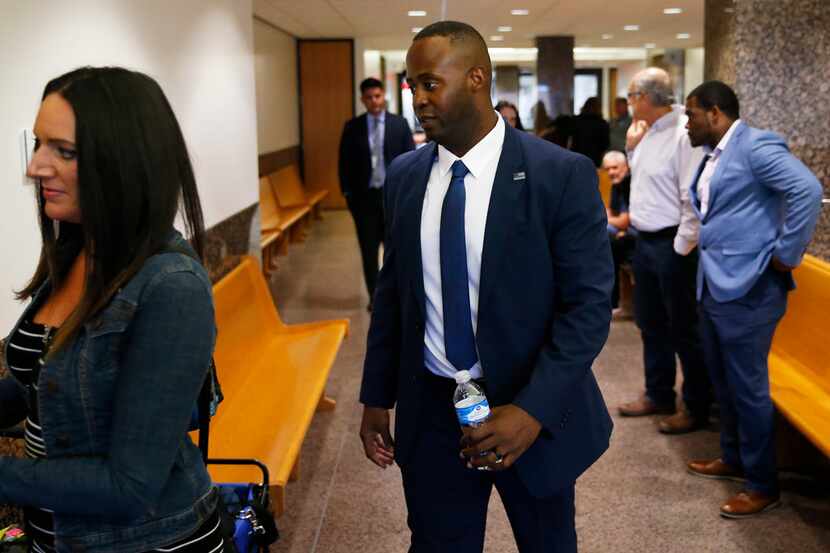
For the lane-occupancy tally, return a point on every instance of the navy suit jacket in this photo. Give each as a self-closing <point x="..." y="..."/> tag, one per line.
<point x="355" y="161"/>
<point x="763" y="202"/>
<point x="544" y="304"/>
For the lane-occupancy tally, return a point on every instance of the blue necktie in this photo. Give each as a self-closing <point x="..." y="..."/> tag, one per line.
<point x="458" y="326"/>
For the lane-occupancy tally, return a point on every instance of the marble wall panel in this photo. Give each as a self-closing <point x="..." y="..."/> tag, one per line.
<point x="236" y="236"/>
<point x="777" y="56"/>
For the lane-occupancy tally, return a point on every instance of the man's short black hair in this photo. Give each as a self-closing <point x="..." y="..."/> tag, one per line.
<point x="716" y="93"/>
<point x="371" y="82"/>
<point x="454" y="30"/>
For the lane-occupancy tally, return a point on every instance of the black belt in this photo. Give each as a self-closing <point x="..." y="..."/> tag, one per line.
<point x="668" y="232"/>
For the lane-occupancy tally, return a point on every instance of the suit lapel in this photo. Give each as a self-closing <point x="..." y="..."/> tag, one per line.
<point x="693" y="188"/>
<point x="364" y="131"/>
<point x="504" y="213"/>
<point x="411" y="208"/>
<point x="723" y="162"/>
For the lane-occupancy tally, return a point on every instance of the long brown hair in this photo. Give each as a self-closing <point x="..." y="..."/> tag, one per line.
<point x="133" y="170"/>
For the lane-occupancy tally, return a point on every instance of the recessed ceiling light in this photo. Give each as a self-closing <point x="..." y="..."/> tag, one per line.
<point x="505" y="29"/>
<point x="519" y="12"/>
<point x="416" y="13"/>
<point x="631" y="28"/>
<point x="683" y="36"/>
<point x="673" y="11"/>
<point x="496" y="38"/>
<point x="417" y="29"/>
<point x="649" y="45"/>
<point x="607" y="36"/>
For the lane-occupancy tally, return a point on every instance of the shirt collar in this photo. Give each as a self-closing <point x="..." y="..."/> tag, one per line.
<point x="381" y="117"/>
<point x="479" y="155"/>
<point x="725" y="140"/>
<point x="669" y="119"/>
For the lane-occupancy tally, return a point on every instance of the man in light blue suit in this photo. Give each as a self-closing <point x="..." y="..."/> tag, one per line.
<point x="758" y="206"/>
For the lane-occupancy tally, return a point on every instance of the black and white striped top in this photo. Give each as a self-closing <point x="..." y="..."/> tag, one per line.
<point x="25" y="358"/>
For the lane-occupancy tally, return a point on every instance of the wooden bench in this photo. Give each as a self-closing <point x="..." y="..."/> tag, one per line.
<point x="604" y="186"/>
<point x="278" y="225"/>
<point x="799" y="362"/>
<point x="290" y="192"/>
<point x="273" y="377"/>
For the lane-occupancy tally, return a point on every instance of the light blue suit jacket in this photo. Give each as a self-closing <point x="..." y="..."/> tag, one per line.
<point x="763" y="203"/>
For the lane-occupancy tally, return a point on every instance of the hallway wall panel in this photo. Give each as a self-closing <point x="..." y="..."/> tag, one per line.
<point x="200" y="51"/>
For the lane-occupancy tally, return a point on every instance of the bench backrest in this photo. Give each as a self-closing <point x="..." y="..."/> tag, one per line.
<point x="604" y="186"/>
<point x="245" y="315"/>
<point x="269" y="209"/>
<point x="288" y="187"/>
<point x="803" y="334"/>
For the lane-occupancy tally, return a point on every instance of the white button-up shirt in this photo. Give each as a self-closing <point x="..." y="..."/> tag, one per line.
<point x="705" y="179"/>
<point x="482" y="161"/>
<point x="662" y="166"/>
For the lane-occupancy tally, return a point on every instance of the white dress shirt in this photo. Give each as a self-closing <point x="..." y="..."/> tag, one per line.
<point x="706" y="176"/>
<point x="482" y="161"/>
<point x="662" y="166"/>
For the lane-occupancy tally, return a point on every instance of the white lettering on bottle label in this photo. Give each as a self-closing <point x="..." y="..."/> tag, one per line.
<point x="472" y="410"/>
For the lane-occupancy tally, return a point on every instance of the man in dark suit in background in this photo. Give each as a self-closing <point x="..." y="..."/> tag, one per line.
<point x="496" y="261"/>
<point x="368" y="145"/>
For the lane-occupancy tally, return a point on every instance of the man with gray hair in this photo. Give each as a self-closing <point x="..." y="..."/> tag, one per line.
<point x="662" y="164"/>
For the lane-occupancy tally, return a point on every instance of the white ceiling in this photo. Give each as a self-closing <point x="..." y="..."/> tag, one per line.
<point x="383" y="24"/>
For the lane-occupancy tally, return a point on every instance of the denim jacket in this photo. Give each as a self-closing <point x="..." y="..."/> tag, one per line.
<point x="121" y="473"/>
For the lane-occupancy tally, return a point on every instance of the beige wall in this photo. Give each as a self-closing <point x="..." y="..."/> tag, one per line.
<point x="694" y="70"/>
<point x="200" y="51"/>
<point x="277" y="106"/>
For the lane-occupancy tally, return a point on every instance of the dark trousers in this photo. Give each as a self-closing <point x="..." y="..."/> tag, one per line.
<point x="736" y="341"/>
<point x="367" y="211"/>
<point x="621" y="249"/>
<point x="665" y="309"/>
<point x="447" y="502"/>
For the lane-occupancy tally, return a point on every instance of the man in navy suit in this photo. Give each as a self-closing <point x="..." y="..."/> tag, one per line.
<point x="368" y="145"/>
<point x="758" y="206"/>
<point x="497" y="262"/>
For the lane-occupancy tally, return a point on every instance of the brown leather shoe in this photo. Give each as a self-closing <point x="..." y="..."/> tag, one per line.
<point x="747" y="503"/>
<point x="642" y="407"/>
<point x="715" y="469"/>
<point x="681" y="422"/>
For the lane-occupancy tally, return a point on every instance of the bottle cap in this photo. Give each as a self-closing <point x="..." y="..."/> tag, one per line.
<point x="462" y="377"/>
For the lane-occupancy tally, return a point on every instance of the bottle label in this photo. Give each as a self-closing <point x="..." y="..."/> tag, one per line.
<point x="472" y="411"/>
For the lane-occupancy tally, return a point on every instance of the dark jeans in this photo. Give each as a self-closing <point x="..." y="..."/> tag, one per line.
<point x="367" y="211"/>
<point x="736" y="339"/>
<point x="666" y="311"/>
<point x="447" y="502"/>
<point x="622" y="249"/>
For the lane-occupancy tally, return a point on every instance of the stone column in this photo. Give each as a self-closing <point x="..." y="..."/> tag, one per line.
<point x="555" y="73"/>
<point x="507" y="83"/>
<point x="775" y="54"/>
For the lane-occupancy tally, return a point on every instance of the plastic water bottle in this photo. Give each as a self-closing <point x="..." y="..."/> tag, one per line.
<point x="471" y="404"/>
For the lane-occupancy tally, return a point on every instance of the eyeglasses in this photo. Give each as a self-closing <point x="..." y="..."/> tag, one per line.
<point x="634" y="94"/>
